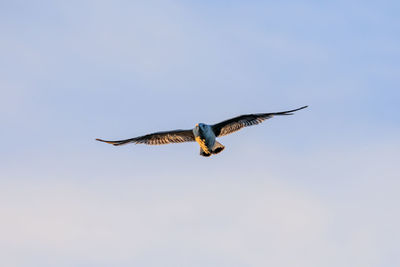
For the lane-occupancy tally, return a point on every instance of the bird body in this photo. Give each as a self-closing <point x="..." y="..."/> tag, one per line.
<point x="205" y="135"/>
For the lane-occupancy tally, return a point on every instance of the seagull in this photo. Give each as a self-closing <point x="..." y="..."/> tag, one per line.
<point x="205" y="135"/>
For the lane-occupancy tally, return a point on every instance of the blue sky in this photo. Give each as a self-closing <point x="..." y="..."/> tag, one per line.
<point x="314" y="189"/>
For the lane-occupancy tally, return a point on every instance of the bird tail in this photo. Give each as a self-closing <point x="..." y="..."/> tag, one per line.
<point x="116" y="143"/>
<point x="203" y="153"/>
<point x="218" y="147"/>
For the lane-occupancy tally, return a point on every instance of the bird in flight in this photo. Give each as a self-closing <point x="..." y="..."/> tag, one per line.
<point x="204" y="134"/>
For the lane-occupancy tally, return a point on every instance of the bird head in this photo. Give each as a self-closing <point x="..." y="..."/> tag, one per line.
<point x="200" y="125"/>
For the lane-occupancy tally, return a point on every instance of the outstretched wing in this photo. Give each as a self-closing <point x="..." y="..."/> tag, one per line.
<point x="237" y="123"/>
<point x="159" y="138"/>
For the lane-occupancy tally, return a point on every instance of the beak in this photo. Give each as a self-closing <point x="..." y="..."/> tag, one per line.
<point x="197" y="125"/>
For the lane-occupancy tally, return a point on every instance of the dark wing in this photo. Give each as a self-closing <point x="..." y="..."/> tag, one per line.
<point x="159" y="138"/>
<point x="237" y="123"/>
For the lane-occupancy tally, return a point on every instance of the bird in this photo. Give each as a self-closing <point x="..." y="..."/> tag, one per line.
<point x="204" y="134"/>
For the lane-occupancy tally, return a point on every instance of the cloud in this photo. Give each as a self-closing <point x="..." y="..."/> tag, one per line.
<point x="250" y="215"/>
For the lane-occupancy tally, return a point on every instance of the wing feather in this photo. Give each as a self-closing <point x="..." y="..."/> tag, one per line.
<point x="237" y="123"/>
<point x="158" y="138"/>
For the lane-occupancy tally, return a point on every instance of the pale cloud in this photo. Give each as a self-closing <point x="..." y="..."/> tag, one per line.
<point x="275" y="212"/>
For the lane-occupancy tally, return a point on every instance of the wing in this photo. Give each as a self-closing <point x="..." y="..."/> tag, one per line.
<point x="159" y="138"/>
<point x="237" y="123"/>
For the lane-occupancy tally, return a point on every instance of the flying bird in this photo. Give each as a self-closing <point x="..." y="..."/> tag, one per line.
<point x="204" y="134"/>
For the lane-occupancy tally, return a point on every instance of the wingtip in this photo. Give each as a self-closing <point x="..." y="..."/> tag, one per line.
<point x="303" y="107"/>
<point x="297" y="109"/>
<point x="290" y="112"/>
<point x="108" y="142"/>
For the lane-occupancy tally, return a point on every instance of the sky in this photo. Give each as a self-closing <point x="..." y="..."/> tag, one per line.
<point x="319" y="188"/>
